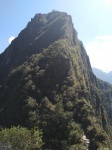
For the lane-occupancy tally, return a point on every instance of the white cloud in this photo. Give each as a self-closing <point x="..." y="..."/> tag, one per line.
<point x="108" y="3"/>
<point x="100" y="52"/>
<point x="11" y="39"/>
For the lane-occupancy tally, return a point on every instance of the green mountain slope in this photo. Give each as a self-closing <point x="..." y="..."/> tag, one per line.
<point x="54" y="87"/>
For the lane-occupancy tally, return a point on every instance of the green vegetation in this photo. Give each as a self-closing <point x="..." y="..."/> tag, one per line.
<point x="19" y="138"/>
<point x="51" y="87"/>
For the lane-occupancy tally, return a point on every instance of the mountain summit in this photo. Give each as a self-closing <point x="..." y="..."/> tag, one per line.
<point x="40" y="32"/>
<point x="47" y="82"/>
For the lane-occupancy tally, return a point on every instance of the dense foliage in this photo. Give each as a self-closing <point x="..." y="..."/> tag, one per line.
<point x="19" y="138"/>
<point x="54" y="89"/>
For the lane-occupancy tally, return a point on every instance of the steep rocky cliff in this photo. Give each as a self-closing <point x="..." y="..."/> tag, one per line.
<point x="47" y="81"/>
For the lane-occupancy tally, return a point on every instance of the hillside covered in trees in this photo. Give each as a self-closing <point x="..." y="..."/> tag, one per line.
<point x="49" y="93"/>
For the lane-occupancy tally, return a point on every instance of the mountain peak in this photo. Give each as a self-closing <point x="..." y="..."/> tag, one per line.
<point x="46" y="81"/>
<point x="40" y="32"/>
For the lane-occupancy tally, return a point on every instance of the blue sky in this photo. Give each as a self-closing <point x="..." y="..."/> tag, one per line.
<point x="92" y="19"/>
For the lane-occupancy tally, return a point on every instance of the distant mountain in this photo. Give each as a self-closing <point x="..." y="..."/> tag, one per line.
<point x="47" y="83"/>
<point x="103" y="75"/>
